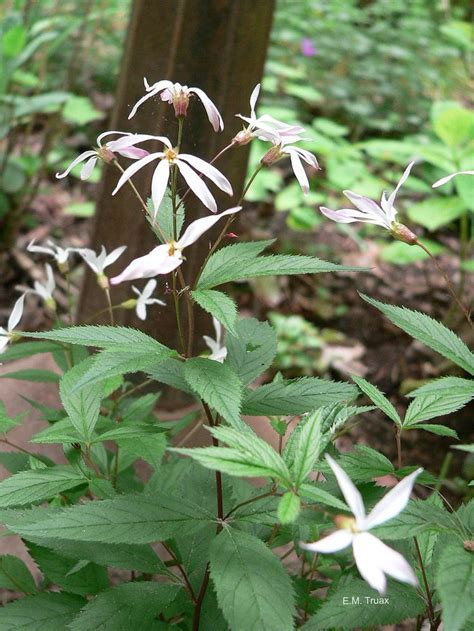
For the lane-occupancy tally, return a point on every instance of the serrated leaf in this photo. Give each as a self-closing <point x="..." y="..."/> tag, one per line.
<point x="251" y="351"/>
<point x="128" y="606"/>
<point x="171" y="373"/>
<point x="440" y="430"/>
<point x="429" y="331"/>
<point x="219" y="305"/>
<point x="8" y="422"/>
<point x="15" y="575"/>
<point x="295" y="396"/>
<point x="420" y="516"/>
<point x="149" y="517"/>
<point x="28" y="487"/>
<point x="123" y="432"/>
<point x="362" y="464"/>
<point x="353" y="604"/>
<point x="321" y="496"/>
<point x="455" y="583"/>
<point x="446" y="385"/>
<point x="377" y="397"/>
<point x="61" y="432"/>
<point x="28" y="349"/>
<point x="48" y="611"/>
<point x="427" y="406"/>
<point x="309" y="447"/>
<point x="289" y="508"/>
<point x="33" y="374"/>
<point x="150" y="448"/>
<point x="253" y="590"/>
<point x="82" y="406"/>
<point x="218" y="385"/>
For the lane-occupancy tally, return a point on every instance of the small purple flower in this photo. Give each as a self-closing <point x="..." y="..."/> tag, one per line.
<point x="307" y="47"/>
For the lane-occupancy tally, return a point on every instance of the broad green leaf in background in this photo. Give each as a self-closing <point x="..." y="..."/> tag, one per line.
<point x="429" y="331"/>
<point x="455" y="584"/>
<point x="308" y="449"/>
<point x="82" y="406"/>
<point x="251" y="351"/>
<point x="289" y="508"/>
<point x="434" y="213"/>
<point x="79" y="110"/>
<point x="14" y="575"/>
<point x="164" y="218"/>
<point x="49" y="611"/>
<point x="253" y="589"/>
<point x="400" y="253"/>
<point x="32" y="486"/>
<point x="8" y="422"/>
<point x="378" y="398"/>
<point x="219" y="305"/>
<point x="33" y="374"/>
<point x="452" y="123"/>
<point x="14" y="40"/>
<point x="27" y="349"/>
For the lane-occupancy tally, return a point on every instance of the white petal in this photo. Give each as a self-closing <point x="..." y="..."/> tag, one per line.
<point x="217" y="328"/>
<point x="393" y="503"/>
<point x="307" y="156"/>
<point x="200" y="226"/>
<point x="211" y="344"/>
<point x="90" y="257"/>
<point x="341" y="216"/>
<point x="406" y="173"/>
<point x="151" y="91"/>
<point x="39" y="248"/>
<point x="299" y="172"/>
<point x="368" y="562"/>
<point x="211" y="110"/>
<point x="197" y="186"/>
<point x="131" y="140"/>
<point x="159" y="183"/>
<point x="158" y="261"/>
<point x="104" y="134"/>
<point x="253" y="99"/>
<point x="134" y="153"/>
<point x="136" y="166"/>
<point x="209" y="171"/>
<point x="155" y="301"/>
<point x="447" y="178"/>
<point x="50" y="283"/>
<point x="149" y="288"/>
<point x="141" y="310"/>
<point x="114" y="255"/>
<point x="15" y="315"/>
<point x="88" y="167"/>
<point x="83" y="156"/>
<point x="371" y="210"/>
<point x="351" y="494"/>
<point x="332" y="543"/>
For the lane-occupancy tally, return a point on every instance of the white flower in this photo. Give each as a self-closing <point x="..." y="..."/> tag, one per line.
<point x="184" y="162"/>
<point x="373" y="558"/>
<point x="144" y="298"/>
<point x="98" y="262"/>
<point x="217" y="348"/>
<point x="447" y="178"/>
<point x="167" y="257"/>
<point x="265" y="127"/>
<point x="367" y="210"/>
<point x="178" y="95"/>
<point x="6" y="335"/>
<point x="60" y="254"/>
<point x="44" y="291"/>
<point x="296" y="154"/>
<point x="125" y="146"/>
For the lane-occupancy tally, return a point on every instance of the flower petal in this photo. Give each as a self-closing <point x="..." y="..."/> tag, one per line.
<point x="334" y="542"/>
<point x="391" y="199"/>
<point x="136" y="166"/>
<point x="149" y="289"/>
<point x="447" y="178"/>
<point x="131" y="140"/>
<point x="211" y="110"/>
<point x="151" y="91"/>
<point x="88" y="167"/>
<point x="50" y="283"/>
<point x="351" y="494"/>
<point x="200" y="226"/>
<point x="39" y="249"/>
<point x="253" y="99"/>
<point x="141" y="310"/>
<point x="299" y="171"/>
<point x="80" y="158"/>
<point x="368" y="562"/>
<point x="158" y="261"/>
<point x="114" y="255"/>
<point x="159" y="183"/>
<point x="15" y="315"/>
<point x="371" y="210"/>
<point x="341" y="216"/>
<point x="393" y="503"/>
<point x="209" y="171"/>
<point x="135" y="153"/>
<point x="196" y="184"/>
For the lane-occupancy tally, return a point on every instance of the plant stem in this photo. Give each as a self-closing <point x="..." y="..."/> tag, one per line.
<point x="109" y="306"/>
<point x="133" y="390"/>
<point x="398" y="439"/>
<point x="443" y="472"/>
<point x="431" y="613"/>
<point x="182" y="571"/>
<point x="250" y="501"/>
<point x="449" y="284"/>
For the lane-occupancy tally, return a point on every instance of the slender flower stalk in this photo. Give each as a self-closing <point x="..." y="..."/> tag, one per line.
<point x="373" y="558"/>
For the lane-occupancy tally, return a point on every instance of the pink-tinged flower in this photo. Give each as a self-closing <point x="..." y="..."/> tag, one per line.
<point x="167" y="257"/>
<point x="307" y="47"/>
<point x="124" y="146"/>
<point x="7" y="335"/>
<point x="373" y="558"/>
<point x="43" y="290"/>
<point x="265" y="127"/>
<point x="216" y="346"/>
<point x="296" y="155"/>
<point x="447" y="178"/>
<point x="368" y="211"/>
<point x="179" y="95"/>
<point x="189" y="166"/>
<point x="144" y="298"/>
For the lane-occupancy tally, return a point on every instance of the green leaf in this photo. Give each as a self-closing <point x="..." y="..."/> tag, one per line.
<point x="218" y="386"/>
<point x="455" y="386"/>
<point x="455" y="583"/>
<point x="452" y="123"/>
<point x="440" y="430"/>
<point x="427" y="406"/>
<point x="33" y="374"/>
<point x="27" y="349"/>
<point x="353" y="604"/>
<point x="8" y="422"/>
<point x="82" y="406"/>
<point x="149" y="517"/>
<point x="378" y="398"/>
<point x="164" y="218"/>
<point x="61" y="432"/>
<point x="15" y="575"/>
<point x="148" y="447"/>
<point x="218" y="305"/>
<point x="14" y="40"/>
<point x="128" y="606"/>
<point x="420" y="516"/>
<point x="227" y="259"/>
<point x="400" y="253"/>
<point x="321" y="496"/>
<point x="289" y="508"/>
<point x="170" y="372"/>
<point x="79" y="110"/>
<point x="295" y="397"/>
<point x="251" y="351"/>
<point x="27" y="487"/>
<point x="48" y="611"/>
<point x="362" y="464"/>
<point x="308" y="448"/>
<point x="429" y="331"/>
<point x="63" y="572"/>
<point x="80" y="209"/>
<point x="253" y="590"/>
<point x="435" y="213"/>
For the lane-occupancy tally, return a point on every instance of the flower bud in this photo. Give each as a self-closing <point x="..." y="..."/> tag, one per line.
<point x="344" y="522"/>
<point x="273" y="155"/>
<point x="402" y="233"/>
<point x="131" y="303"/>
<point x="243" y="137"/>
<point x="102" y="281"/>
<point x="51" y="304"/>
<point x="105" y="154"/>
<point x="181" y="103"/>
<point x="63" y="267"/>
